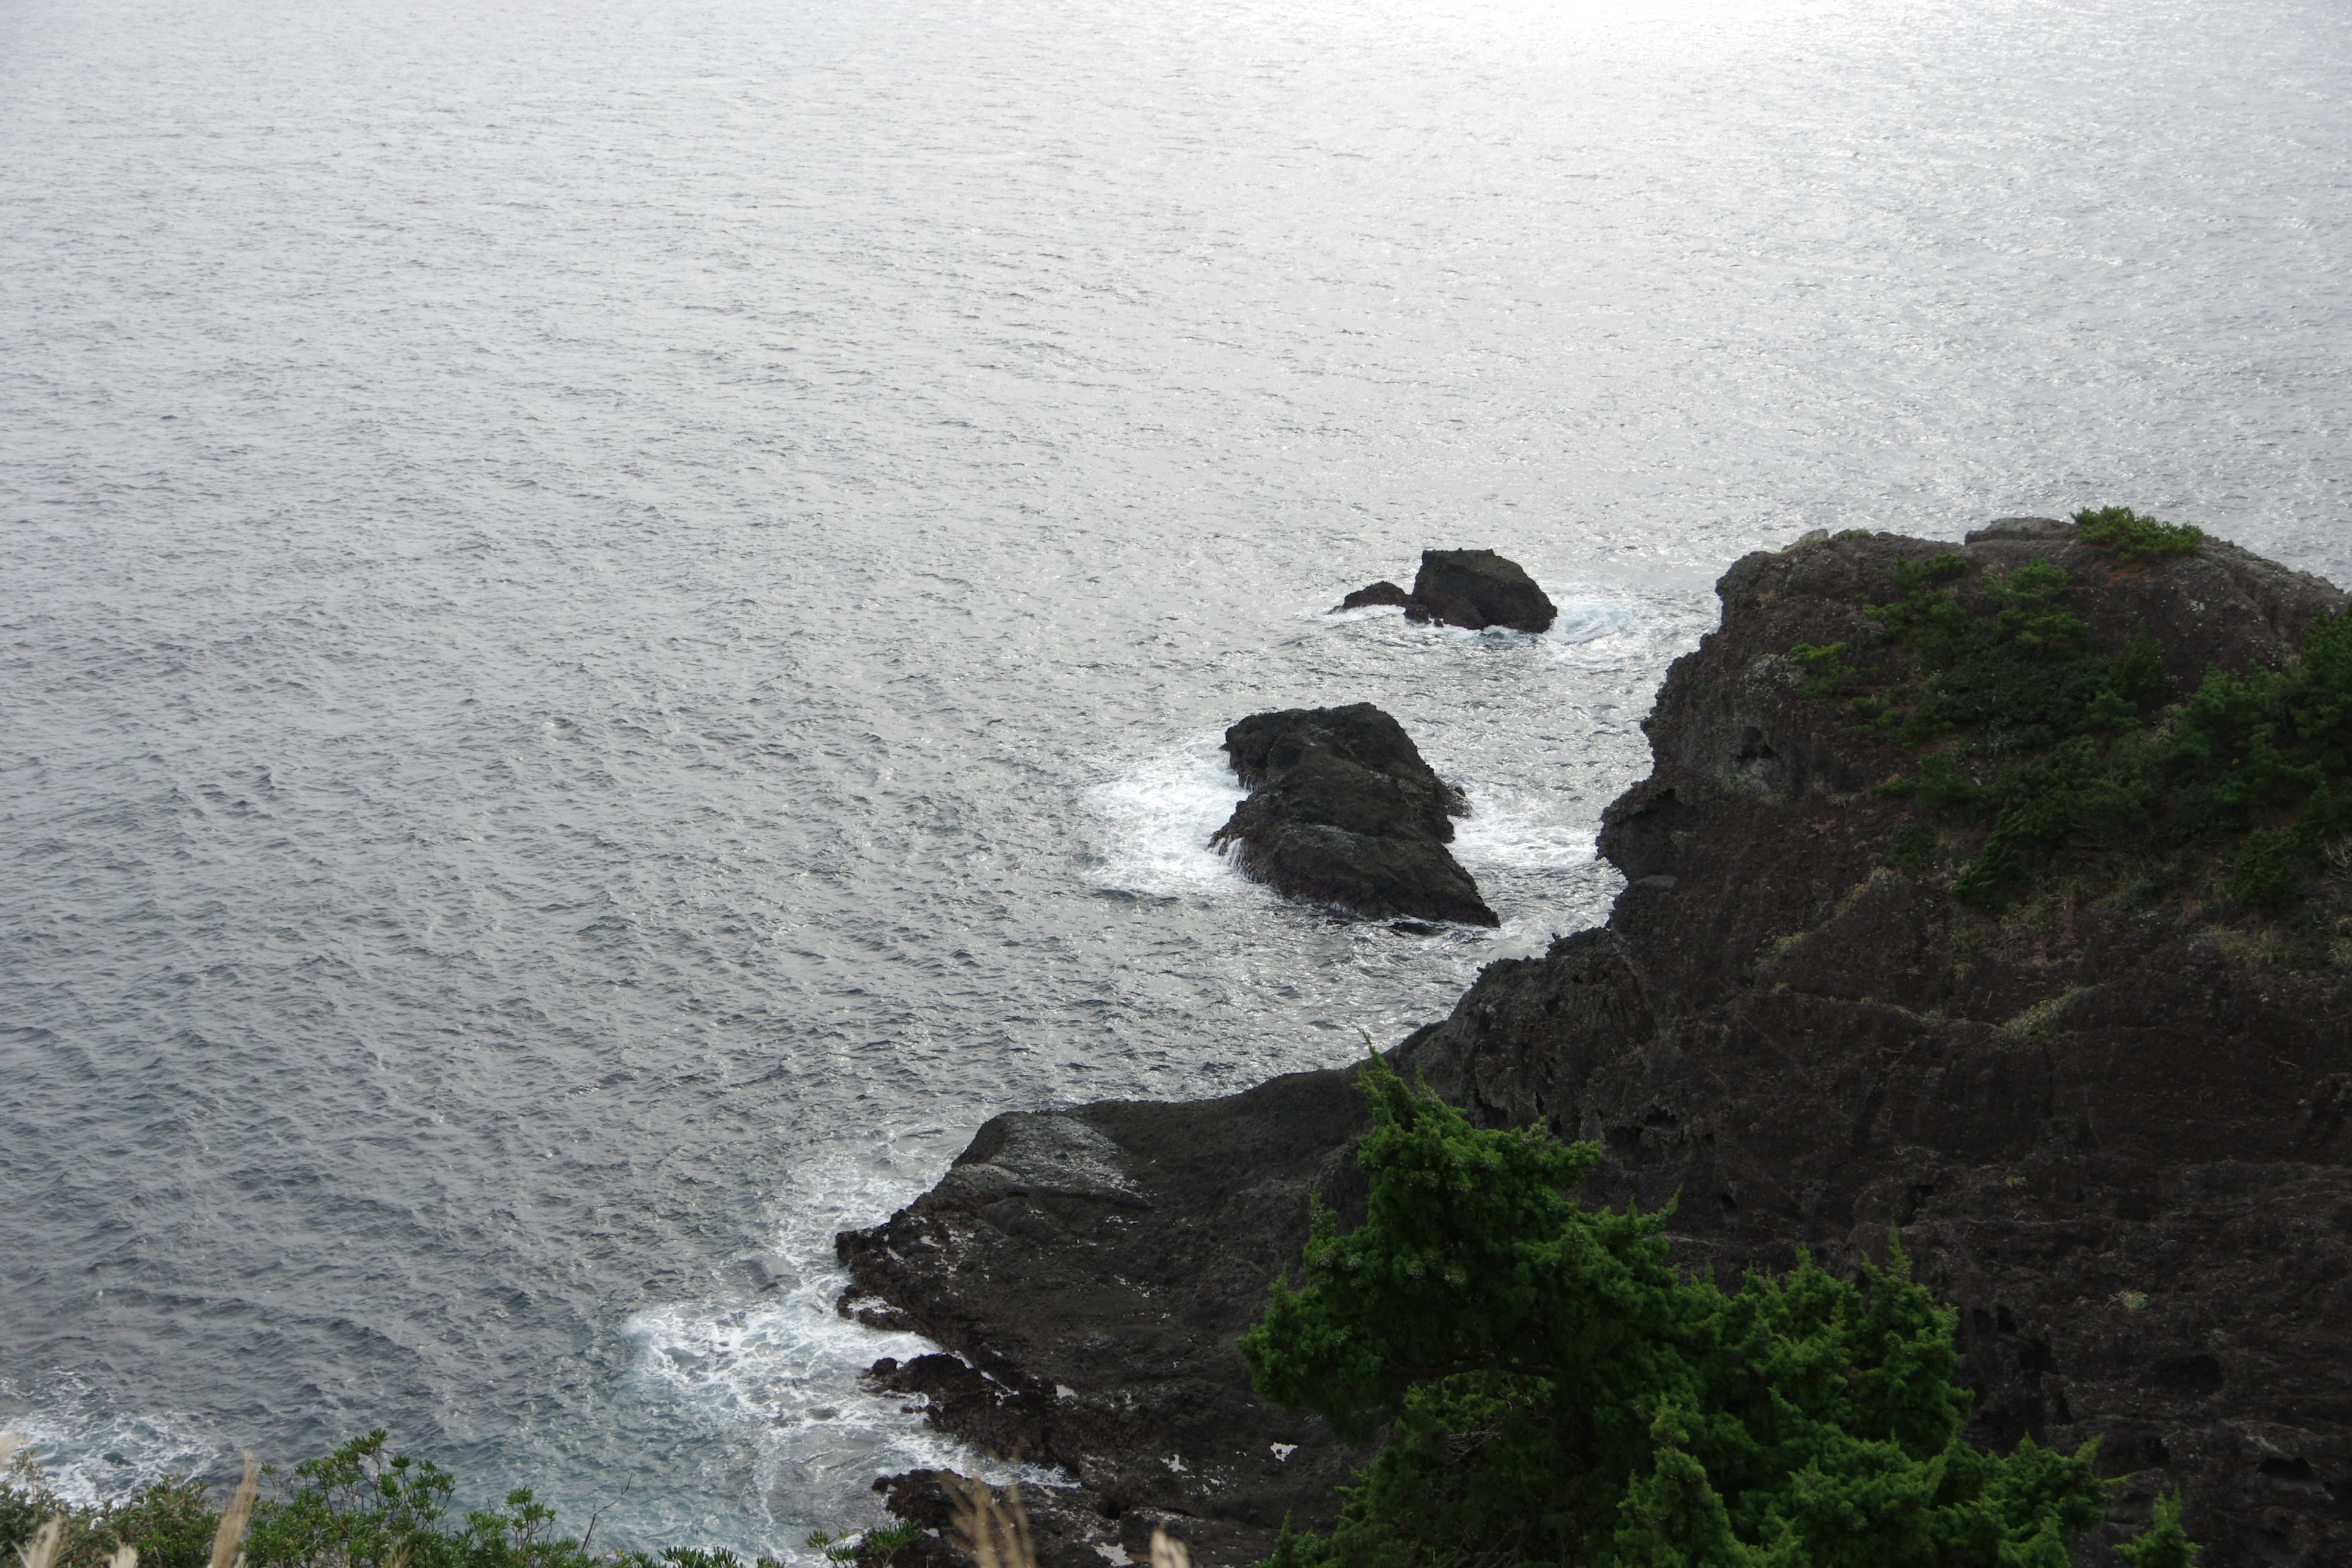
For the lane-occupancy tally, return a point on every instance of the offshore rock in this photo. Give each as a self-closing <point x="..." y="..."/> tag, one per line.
<point x="1343" y="811"/>
<point x="1376" y="594"/>
<point x="2116" y="1139"/>
<point x="1472" y="588"/>
<point x="1477" y="588"/>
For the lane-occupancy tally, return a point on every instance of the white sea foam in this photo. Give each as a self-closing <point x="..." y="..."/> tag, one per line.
<point x="1160" y="813"/>
<point x="782" y="1375"/>
<point x="781" y="1369"/>
<point x="1523" y="830"/>
<point x="1583" y="620"/>
<point x="1363" y="613"/>
<point x="91" y="1454"/>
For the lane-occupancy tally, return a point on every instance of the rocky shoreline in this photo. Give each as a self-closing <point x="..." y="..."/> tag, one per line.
<point x="2111" y="1131"/>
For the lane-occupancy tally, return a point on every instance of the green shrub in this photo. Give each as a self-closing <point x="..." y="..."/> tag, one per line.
<point x="1554" y="1392"/>
<point x="2268" y="872"/>
<point x="1826" y="667"/>
<point x="2067" y="752"/>
<point x="2163" y="1544"/>
<point x="2252" y="739"/>
<point x="359" y="1507"/>
<point x="2132" y="538"/>
<point x="1913" y="848"/>
<point x="2025" y="671"/>
<point x="873" y="1548"/>
<point x="363" y="1508"/>
<point x="170" y="1522"/>
<point x="1927" y="614"/>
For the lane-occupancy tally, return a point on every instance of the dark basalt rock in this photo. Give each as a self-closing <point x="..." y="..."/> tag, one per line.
<point x="1342" y="810"/>
<point x="1473" y="588"/>
<point x="1094" y="1267"/>
<point x="2118" y="1140"/>
<point x="1477" y="588"/>
<point x="1380" y="593"/>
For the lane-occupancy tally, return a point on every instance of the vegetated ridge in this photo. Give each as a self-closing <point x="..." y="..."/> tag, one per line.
<point x="1993" y="896"/>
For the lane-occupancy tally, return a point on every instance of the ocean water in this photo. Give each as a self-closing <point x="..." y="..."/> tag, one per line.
<point x="615" y="618"/>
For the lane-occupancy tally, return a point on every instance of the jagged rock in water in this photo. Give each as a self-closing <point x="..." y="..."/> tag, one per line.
<point x="1477" y="588"/>
<point x="2113" y="1129"/>
<point x="1343" y="811"/>
<point x="1473" y="588"/>
<point x="1374" y="594"/>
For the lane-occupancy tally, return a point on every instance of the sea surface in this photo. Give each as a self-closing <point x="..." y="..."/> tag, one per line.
<point x="615" y="618"/>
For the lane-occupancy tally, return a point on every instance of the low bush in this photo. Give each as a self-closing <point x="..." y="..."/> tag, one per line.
<point x="2133" y="539"/>
<point x="359" y="1507"/>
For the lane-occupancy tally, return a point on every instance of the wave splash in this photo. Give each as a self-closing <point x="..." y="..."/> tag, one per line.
<point x="1159" y="815"/>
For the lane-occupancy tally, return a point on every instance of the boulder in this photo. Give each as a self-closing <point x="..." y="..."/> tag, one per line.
<point x="1477" y="588"/>
<point x="1380" y="593"/>
<point x="1343" y="811"/>
<point x="1473" y="588"/>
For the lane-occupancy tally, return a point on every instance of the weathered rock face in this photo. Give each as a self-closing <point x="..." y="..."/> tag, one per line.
<point x="1473" y="588"/>
<point x="1343" y="811"/>
<point x="1095" y="1267"/>
<point x="2117" y="1140"/>
<point x="1477" y="588"/>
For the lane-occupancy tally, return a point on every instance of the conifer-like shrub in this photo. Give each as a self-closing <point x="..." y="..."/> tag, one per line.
<point x="1555" y="1393"/>
<point x="2132" y="538"/>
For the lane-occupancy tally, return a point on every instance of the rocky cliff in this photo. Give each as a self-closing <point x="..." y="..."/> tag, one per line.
<point x="2103" y="1103"/>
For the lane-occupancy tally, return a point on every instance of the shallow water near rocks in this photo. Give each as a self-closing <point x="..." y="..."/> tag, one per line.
<point x="616" y="619"/>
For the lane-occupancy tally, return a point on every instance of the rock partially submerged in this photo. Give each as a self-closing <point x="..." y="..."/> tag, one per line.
<point x="1376" y="594"/>
<point x="2115" y="1134"/>
<point x="1477" y="588"/>
<point x="1343" y="811"/>
<point x="1472" y="588"/>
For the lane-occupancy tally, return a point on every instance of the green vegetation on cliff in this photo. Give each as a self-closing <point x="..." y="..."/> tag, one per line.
<point x="2076" y="759"/>
<point x="1555" y="1391"/>
<point x="2133" y="539"/>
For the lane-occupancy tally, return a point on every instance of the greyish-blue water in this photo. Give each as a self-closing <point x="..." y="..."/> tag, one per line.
<point x="615" y="615"/>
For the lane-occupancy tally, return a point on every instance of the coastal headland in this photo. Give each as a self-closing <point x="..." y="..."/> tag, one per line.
<point x="1952" y="914"/>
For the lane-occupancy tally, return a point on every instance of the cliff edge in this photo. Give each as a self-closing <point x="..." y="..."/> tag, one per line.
<point x="1938" y="923"/>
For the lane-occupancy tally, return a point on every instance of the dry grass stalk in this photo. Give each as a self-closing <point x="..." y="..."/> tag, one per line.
<point x="230" y="1537"/>
<point x="42" y="1551"/>
<point x="996" y="1532"/>
<point x="124" y="1557"/>
<point x="1167" y="1551"/>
